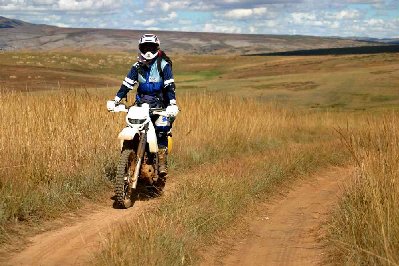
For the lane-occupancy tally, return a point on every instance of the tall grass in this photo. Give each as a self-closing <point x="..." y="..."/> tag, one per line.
<point x="57" y="149"/>
<point x="208" y="201"/>
<point x="365" y="228"/>
<point x="215" y="125"/>
<point x="270" y="146"/>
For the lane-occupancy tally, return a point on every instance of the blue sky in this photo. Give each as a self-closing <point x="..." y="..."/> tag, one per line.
<point x="371" y="18"/>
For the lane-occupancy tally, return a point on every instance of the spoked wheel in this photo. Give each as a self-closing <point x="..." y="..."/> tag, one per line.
<point x="125" y="195"/>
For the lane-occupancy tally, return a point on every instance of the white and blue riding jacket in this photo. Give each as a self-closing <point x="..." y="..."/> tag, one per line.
<point x="152" y="84"/>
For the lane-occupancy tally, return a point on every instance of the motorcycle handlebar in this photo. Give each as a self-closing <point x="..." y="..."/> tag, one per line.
<point x="124" y="108"/>
<point x="157" y="109"/>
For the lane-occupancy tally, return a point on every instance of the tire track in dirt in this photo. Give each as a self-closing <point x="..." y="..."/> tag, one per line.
<point x="76" y="244"/>
<point x="287" y="231"/>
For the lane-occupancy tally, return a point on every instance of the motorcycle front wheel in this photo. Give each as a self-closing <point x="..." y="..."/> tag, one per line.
<point x="125" y="195"/>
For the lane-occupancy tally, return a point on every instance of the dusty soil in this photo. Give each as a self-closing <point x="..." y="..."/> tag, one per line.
<point x="287" y="231"/>
<point x="76" y="244"/>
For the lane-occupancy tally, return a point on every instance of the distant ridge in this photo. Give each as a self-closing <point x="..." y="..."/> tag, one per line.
<point x="12" y="23"/>
<point x="383" y="40"/>
<point x="20" y="35"/>
<point x="338" y="51"/>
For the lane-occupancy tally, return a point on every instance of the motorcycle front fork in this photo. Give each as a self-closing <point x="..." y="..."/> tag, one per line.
<point x="140" y="155"/>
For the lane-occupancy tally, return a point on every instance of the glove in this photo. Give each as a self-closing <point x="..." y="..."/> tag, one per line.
<point x="112" y="104"/>
<point x="172" y="110"/>
<point x="117" y="100"/>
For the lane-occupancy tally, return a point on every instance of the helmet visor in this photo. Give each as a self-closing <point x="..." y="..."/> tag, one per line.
<point x="148" y="47"/>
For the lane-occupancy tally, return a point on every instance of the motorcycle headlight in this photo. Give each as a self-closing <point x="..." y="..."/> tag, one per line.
<point x="136" y="121"/>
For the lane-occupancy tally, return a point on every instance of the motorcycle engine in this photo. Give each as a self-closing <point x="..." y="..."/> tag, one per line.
<point x="147" y="172"/>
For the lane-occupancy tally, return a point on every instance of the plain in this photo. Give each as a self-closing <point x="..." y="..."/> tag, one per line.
<point x="248" y="126"/>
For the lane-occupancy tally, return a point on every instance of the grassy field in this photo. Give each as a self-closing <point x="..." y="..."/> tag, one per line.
<point x="349" y="82"/>
<point x="364" y="230"/>
<point x="248" y="125"/>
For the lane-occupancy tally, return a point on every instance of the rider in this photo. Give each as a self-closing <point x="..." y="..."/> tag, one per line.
<point x="156" y="86"/>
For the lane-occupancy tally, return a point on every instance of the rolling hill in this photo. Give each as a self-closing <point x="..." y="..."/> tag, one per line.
<point x="20" y="35"/>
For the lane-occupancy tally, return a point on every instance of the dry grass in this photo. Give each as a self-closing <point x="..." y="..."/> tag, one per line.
<point x="365" y="227"/>
<point x="55" y="152"/>
<point x="284" y="145"/>
<point x="344" y="82"/>
<point x="57" y="149"/>
<point x="243" y="151"/>
<point x="209" y="201"/>
<point x="54" y="71"/>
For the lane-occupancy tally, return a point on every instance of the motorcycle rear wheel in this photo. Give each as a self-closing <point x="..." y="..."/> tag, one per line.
<point x="125" y="196"/>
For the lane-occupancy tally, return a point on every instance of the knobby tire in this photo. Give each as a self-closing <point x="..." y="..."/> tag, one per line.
<point x="126" y="161"/>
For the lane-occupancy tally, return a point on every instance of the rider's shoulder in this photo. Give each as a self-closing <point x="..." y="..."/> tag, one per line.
<point x="164" y="63"/>
<point x="136" y="65"/>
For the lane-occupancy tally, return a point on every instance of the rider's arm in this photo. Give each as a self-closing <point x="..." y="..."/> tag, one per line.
<point x="169" y="85"/>
<point x="128" y="83"/>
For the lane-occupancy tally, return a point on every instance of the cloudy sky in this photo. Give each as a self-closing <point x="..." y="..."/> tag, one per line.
<point x="372" y="18"/>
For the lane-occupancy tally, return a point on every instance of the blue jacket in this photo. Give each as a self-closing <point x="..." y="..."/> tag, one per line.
<point x="151" y="83"/>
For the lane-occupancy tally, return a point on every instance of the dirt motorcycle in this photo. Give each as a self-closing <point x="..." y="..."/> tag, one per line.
<point x="139" y="162"/>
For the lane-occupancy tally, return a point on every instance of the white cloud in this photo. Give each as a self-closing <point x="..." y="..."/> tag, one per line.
<point x="149" y="22"/>
<point x="335" y="25"/>
<point x="238" y="13"/>
<point x="245" y="13"/>
<point x="154" y="28"/>
<point x="169" y="6"/>
<point x="185" y="22"/>
<point x="328" y="20"/>
<point x="301" y="18"/>
<point x="314" y="17"/>
<point x="59" y="5"/>
<point x="375" y="22"/>
<point x="347" y="14"/>
<point x="170" y="16"/>
<point x="213" y="5"/>
<point x="217" y="27"/>
<point x="77" y="5"/>
<point x="43" y="2"/>
<point x="52" y="18"/>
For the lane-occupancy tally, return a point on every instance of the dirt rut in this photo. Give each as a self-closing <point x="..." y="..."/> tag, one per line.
<point x="288" y="230"/>
<point x="76" y="244"/>
<point x="285" y="234"/>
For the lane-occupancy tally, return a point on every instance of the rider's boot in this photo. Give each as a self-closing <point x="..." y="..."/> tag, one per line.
<point x="163" y="161"/>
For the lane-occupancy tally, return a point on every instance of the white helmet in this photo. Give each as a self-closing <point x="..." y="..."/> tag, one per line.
<point x="149" y="46"/>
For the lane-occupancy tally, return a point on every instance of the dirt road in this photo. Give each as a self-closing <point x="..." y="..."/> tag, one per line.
<point x="287" y="231"/>
<point x="285" y="234"/>
<point x="76" y="244"/>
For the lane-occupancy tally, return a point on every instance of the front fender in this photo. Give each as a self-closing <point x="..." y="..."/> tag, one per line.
<point x="127" y="133"/>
